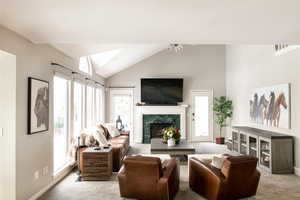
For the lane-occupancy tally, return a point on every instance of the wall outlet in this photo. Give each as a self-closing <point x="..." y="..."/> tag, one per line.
<point x="45" y="171"/>
<point x="36" y="175"/>
<point x="1" y="132"/>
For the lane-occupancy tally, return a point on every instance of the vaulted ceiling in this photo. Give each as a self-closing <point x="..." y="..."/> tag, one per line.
<point x="80" y="28"/>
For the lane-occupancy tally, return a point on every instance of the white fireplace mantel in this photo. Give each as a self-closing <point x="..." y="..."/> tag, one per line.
<point x="160" y="110"/>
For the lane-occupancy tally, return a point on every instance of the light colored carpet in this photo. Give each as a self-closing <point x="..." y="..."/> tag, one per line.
<point x="271" y="187"/>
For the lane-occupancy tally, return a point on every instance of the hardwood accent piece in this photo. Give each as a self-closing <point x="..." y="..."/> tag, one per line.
<point x="97" y="164"/>
<point x="275" y="151"/>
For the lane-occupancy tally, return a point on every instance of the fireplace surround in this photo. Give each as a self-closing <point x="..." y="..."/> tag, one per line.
<point x="153" y="123"/>
<point x="142" y="111"/>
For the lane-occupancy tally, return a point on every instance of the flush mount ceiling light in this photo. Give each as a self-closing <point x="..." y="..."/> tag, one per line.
<point x="176" y="47"/>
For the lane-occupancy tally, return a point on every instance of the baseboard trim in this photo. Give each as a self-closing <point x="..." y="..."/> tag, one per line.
<point x="55" y="180"/>
<point x="297" y="171"/>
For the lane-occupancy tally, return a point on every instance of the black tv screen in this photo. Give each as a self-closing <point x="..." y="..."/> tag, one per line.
<point x="161" y="91"/>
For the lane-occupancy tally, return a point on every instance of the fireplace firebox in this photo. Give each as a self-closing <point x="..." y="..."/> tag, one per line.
<point x="153" y="124"/>
<point x="156" y="128"/>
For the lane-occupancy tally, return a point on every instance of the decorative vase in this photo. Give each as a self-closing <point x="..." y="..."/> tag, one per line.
<point x="171" y="142"/>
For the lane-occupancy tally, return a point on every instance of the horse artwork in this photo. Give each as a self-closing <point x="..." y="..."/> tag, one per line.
<point x="270" y="106"/>
<point x="38" y="106"/>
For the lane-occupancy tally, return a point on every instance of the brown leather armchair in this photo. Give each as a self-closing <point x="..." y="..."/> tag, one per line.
<point x="237" y="179"/>
<point x="146" y="178"/>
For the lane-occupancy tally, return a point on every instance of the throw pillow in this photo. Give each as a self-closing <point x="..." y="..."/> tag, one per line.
<point x="106" y="133"/>
<point x="113" y="131"/>
<point x="98" y="134"/>
<point x="217" y="162"/>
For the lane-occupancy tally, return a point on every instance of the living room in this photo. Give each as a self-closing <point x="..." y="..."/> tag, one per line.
<point x="146" y="86"/>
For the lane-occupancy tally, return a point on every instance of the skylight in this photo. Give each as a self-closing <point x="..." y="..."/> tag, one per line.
<point x="103" y="58"/>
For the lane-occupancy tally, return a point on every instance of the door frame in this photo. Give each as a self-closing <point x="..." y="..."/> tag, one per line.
<point x="210" y="94"/>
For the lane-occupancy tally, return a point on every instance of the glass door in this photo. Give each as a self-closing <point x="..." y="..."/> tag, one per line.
<point x="265" y="153"/>
<point x="121" y="108"/>
<point x="235" y="141"/>
<point x="61" y="121"/>
<point x="243" y="144"/>
<point x="253" y="146"/>
<point x="202" y="115"/>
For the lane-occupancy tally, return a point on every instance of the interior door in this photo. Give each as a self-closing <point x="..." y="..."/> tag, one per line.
<point x="8" y="126"/>
<point x="202" y="115"/>
<point x="121" y="104"/>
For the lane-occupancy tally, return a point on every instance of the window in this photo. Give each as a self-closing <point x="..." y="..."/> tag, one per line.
<point x="61" y="121"/>
<point x="99" y="107"/>
<point x="90" y="102"/>
<point x="78" y="109"/>
<point x="103" y="58"/>
<point x="84" y="110"/>
<point x="85" y="65"/>
<point x="88" y="106"/>
<point x="121" y="104"/>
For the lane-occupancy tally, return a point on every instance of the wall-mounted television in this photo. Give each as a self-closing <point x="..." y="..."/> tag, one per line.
<point x="162" y="90"/>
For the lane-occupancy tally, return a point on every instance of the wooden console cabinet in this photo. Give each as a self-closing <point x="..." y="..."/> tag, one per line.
<point x="97" y="164"/>
<point x="275" y="151"/>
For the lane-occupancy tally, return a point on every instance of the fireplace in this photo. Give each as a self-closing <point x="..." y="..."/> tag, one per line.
<point x="158" y="114"/>
<point x="156" y="128"/>
<point x="153" y="124"/>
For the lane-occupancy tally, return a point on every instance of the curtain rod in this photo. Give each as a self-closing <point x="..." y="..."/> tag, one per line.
<point x="73" y="72"/>
<point x="121" y="87"/>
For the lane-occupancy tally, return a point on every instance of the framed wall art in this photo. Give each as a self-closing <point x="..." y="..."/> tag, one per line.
<point x="271" y="106"/>
<point x="38" y="106"/>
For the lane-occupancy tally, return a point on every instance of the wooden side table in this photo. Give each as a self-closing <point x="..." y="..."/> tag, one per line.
<point x="97" y="164"/>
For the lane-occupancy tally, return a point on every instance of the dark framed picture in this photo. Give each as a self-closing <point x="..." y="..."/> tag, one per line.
<point x="38" y="106"/>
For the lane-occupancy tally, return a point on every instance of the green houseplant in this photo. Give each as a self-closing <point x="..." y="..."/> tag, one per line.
<point x="223" y="110"/>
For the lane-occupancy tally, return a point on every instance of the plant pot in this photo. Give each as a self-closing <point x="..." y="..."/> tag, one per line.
<point x="220" y="140"/>
<point x="171" y="142"/>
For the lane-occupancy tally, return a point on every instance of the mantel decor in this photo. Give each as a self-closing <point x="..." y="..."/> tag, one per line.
<point x="38" y="106"/>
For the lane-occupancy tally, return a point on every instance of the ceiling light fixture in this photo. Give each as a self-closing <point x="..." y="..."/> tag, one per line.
<point x="176" y="47"/>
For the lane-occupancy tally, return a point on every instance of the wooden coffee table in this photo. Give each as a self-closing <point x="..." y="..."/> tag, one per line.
<point x="183" y="148"/>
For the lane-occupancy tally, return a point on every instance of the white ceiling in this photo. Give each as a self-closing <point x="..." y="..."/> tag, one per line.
<point x="86" y="27"/>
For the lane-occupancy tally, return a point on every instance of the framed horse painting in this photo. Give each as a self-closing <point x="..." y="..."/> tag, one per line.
<point x="38" y="105"/>
<point x="271" y="106"/>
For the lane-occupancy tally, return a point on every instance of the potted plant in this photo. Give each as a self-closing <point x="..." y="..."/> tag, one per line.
<point x="223" y="110"/>
<point x="171" y="135"/>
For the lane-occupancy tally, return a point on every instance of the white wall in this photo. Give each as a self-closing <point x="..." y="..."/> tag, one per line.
<point x="250" y="67"/>
<point x="33" y="151"/>
<point x="7" y="125"/>
<point x="201" y="66"/>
